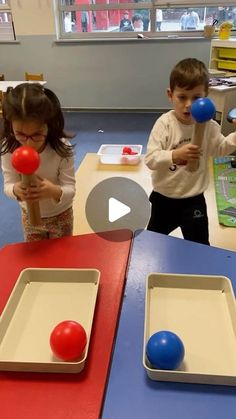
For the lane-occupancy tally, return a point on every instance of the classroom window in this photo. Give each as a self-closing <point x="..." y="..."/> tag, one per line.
<point x="6" y="22"/>
<point x="118" y="19"/>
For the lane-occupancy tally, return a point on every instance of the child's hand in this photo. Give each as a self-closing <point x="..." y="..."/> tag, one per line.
<point x="20" y="191"/>
<point x="47" y="189"/>
<point x="186" y="152"/>
<point x="43" y="189"/>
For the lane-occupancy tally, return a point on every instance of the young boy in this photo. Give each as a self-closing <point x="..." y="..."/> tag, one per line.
<point x="178" y="195"/>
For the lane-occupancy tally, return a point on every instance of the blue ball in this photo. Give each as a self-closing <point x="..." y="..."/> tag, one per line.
<point x="165" y="350"/>
<point x="203" y="109"/>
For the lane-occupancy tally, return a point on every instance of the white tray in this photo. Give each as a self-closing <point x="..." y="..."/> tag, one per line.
<point x="112" y="154"/>
<point x="201" y="310"/>
<point x="40" y="300"/>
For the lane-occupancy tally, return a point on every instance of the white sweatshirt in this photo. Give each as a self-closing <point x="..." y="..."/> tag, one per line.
<point x="168" y="134"/>
<point x="53" y="167"/>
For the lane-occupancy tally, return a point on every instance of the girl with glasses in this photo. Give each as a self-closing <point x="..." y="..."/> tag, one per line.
<point x="32" y="116"/>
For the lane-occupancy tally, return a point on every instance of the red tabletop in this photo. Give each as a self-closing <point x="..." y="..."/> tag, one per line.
<point x="67" y="396"/>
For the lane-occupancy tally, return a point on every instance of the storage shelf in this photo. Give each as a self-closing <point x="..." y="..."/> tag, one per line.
<point x="222" y="63"/>
<point x="223" y="55"/>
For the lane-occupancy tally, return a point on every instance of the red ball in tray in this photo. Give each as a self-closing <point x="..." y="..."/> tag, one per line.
<point x="68" y="340"/>
<point x="128" y="151"/>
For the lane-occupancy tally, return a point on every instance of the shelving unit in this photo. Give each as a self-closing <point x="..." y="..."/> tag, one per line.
<point x="223" y="64"/>
<point x="223" y="56"/>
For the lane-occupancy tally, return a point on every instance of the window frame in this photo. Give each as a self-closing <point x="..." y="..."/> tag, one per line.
<point x="5" y="5"/>
<point x="6" y="8"/>
<point x="151" y="5"/>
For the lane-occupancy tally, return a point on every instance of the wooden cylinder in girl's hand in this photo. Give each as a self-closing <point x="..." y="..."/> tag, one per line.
<point x="202" y="110"/>
<point x="26" y="160"/>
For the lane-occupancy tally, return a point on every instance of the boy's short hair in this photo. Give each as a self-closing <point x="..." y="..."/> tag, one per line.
<point x="188" y="74"/>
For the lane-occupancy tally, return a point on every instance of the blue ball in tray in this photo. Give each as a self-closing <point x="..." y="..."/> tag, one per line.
<point x="165" y="350"/>
<point x="203" y="109"/>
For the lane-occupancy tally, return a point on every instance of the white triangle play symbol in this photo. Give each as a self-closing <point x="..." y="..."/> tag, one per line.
<point x="116" y="209"/>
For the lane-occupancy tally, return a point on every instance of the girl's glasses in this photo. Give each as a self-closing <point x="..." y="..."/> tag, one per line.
<point x="36" y="138"/>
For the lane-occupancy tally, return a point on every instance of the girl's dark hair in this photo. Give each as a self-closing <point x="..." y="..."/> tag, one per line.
<point x="188" y="74"/>
<point x="33" y="101"/>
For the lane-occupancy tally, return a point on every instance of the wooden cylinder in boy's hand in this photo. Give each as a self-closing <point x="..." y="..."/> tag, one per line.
<point x="26" y="160"/>
<point x="202" y="110"/>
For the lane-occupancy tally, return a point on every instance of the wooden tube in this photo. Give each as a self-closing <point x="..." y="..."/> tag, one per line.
<point x="33" y="208"/>
<point x="198" y="137"/>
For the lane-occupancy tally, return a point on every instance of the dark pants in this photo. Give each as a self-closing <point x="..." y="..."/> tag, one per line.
<point x="190" y="214"/>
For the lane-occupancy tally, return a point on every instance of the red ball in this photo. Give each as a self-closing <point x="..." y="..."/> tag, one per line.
<point x="126" y="150"/>
<point x="68" y="340"/>
<point x="25" y="160"/>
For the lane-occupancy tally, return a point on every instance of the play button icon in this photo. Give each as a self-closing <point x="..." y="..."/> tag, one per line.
<point x="117" y="203"/>
<point x="117" y="210"/>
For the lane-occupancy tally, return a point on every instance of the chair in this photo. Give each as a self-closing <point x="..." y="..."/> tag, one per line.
<point x="34" y="77"/>
<point x="2" y="77"/>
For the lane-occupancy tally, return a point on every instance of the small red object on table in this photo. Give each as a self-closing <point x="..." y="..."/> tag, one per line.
<point x="129" y="151"/>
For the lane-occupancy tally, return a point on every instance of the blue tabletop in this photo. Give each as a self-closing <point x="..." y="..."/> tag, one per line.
<point x="130" y="393"/>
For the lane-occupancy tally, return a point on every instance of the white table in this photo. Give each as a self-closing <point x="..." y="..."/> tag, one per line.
<point x="91" y="172"/>
<point x="7" y="83"/>
<point x="224" y="98"/>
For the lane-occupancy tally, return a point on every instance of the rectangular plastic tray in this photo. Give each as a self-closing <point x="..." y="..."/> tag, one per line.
<point x="112" y="154"/>
<point x="201" y="310"/>
<point x="40" y="300"/>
